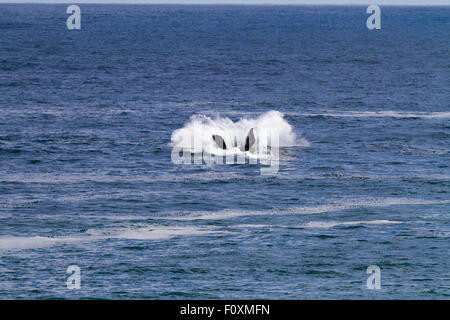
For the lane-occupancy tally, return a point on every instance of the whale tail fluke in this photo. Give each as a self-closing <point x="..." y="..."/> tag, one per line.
<point x="250" y="140"/>
<point x="219" y="141"/>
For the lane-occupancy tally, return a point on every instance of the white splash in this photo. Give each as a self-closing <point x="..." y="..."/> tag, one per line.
<point x="196" y="135"/>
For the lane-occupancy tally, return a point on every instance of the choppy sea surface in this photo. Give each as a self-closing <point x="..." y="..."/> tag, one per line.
<point x="88" y="118"/>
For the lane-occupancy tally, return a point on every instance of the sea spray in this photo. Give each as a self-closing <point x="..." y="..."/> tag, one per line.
<point x="271" y="131"/>
<point x="196" y="135"/>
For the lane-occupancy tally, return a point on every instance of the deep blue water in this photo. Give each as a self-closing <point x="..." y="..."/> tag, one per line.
<point x="86" y="176"/>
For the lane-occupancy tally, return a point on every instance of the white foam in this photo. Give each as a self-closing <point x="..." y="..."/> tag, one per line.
<point x="103" y="177"/>
<point x="18" y="243"/>
<point x="196" y="135"/>
<point x="152" y="232"/>
<point x="164" y="233"/>
<point x="321" y="224"/>
<point x="369" y="114"/>
<point x="332" y="224"/>
<point x="290" y="176"/>
<point x="362" y="203"/>
<point x="110" y="111"/>
<point x="258" y="226"/>
<point x="354" y="114"/>
<point x="149" y="232"/>
<point x="318" y="209"/>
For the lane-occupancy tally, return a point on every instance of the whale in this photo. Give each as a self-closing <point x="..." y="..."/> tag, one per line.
<point x="249" y="141"/>
<point x="219" y="141"/>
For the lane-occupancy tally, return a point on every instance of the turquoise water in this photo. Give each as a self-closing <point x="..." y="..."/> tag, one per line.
<point x="86" y="176"/>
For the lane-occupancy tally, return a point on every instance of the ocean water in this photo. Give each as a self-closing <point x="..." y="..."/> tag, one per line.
<point x="89" y="119"/>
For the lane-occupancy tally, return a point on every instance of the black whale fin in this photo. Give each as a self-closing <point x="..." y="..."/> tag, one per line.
<point x="219" y="141"/>
<point x="250" y="140"/>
